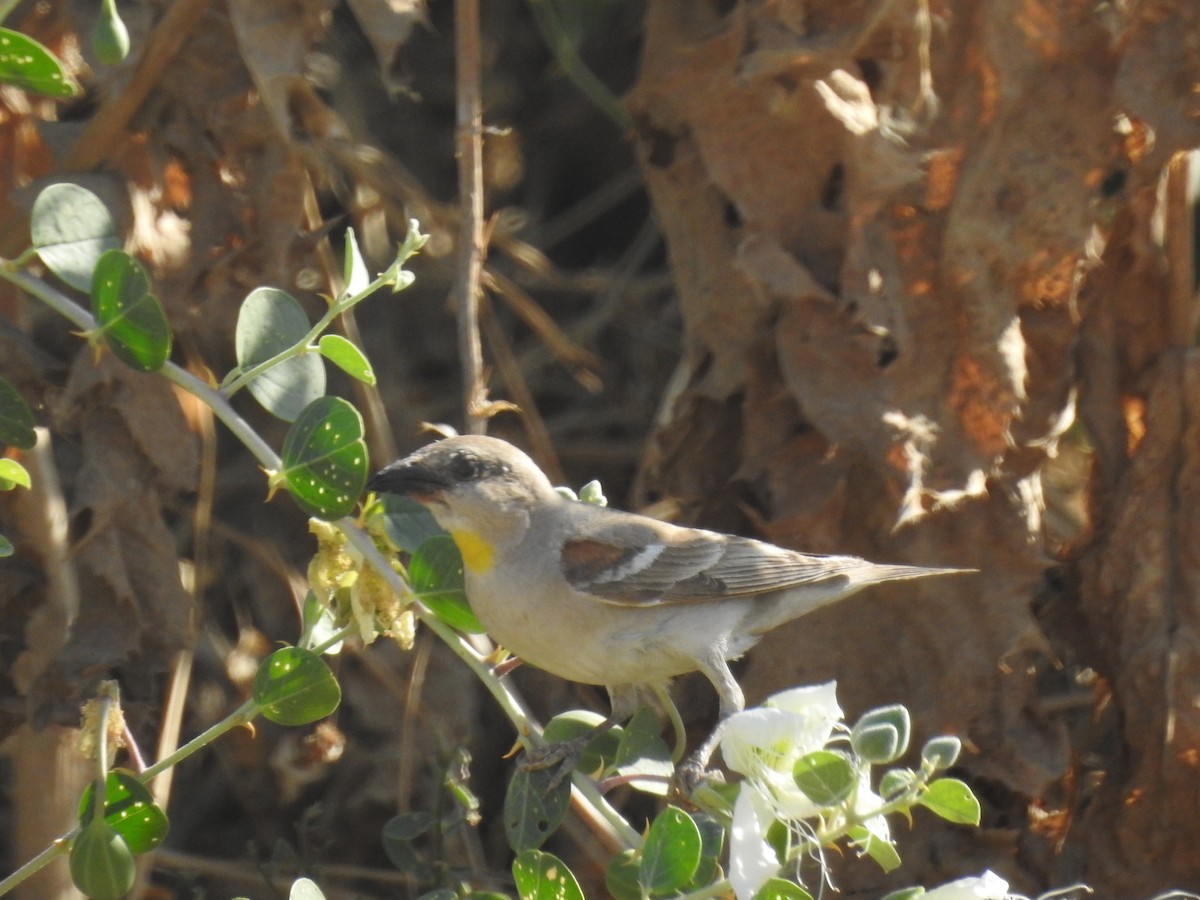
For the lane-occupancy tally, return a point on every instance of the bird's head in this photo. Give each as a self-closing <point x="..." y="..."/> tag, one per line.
<point x="480" y="489"/>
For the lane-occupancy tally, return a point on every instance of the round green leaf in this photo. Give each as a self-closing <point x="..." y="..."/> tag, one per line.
<point x="825" y="777"/>
<point x="642" y="751"/>
<point x="269" y="322"/>
<point x="541" y="876"/>
<point x="295" y="687"/>
<point x="129" y="316"/>
<point x="347" y="357"/>
<point x="16" y="418"/>
<point x="398" y="836"/>
<point x="600" y="750"/>
<point x="101" y="864"/>
<point x="71" y="230"/>
<point x="130" y="810"/>
<point x="533" y="807"/>
<point x="13" y="474"/>
<point x="952" y="800"/>
<point x="895" y="782"/>
<point x="670" y="853"/>
<point x="325" y="458"/>
<point x="407" y="522"/>
<point x="782" y="889"/>
<point x="435" y="573"/>
<point x="26" y="64"/>
<point x="877" y="744"/>
<point x="881" y="736"/>
<point x="941" y="752"/>
<point x="621" y="876"/>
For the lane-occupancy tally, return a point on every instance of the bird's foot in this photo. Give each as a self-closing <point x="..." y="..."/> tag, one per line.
<point x="690" y="774"/>
<point x="561" y="756"/>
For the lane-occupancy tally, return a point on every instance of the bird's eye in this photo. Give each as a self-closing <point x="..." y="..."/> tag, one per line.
<point x="465" y="468"/>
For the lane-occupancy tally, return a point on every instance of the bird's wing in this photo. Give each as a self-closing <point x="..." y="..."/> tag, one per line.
<point x="634" y="564"/>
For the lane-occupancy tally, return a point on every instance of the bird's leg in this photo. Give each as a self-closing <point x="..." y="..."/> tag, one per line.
<point x="692" y="770"/>
<point x="565" y="754"/>
<point x="623" y="702"/>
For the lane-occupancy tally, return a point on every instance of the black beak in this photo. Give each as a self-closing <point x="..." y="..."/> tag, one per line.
<point x="412" y="479"/>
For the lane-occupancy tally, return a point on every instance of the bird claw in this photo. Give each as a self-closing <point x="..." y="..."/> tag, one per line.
<point x="563" y="755"/>
<point x="691" y="774"/>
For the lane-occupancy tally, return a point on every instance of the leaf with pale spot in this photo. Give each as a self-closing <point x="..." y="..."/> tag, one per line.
<point x="325" y="458"/>
<point x="543" y="876"/>
<point x="293" y="686"/>
<point x="26" y="64"/>
<point x="347" y="357"/>
<point x="130" y="810"/>
<point x="129" y="317"/>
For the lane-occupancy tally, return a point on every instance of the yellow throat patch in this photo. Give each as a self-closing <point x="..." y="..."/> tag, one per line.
<point x="476" y="553"/>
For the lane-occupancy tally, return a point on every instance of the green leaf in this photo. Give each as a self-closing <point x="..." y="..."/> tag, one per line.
<point x="600" y="750"/>
<point x="354" y="270"/>
<point x="129" y="810"/>
<point x="621" y="876"/>
<point x="541" y="876"/>
<point x="347" y="357"/>
<point x="110" y="37"/>
<point x="408" y="524"/>
<point x="13" y="474"/>
<point x="782" y="889"/>
<point x="101" y="864"/>
<point x="6" y="547"/>
<point x="877" y="744"/>
<point x="670" y="853"/>
<point x="825" y="777"/>
<point x="435" y="573"/>
<point x="533" y="809"/>
<point x="712" y="839"/>
<point x="952" y="800"/>
<point x="895" y="782"/>
<point x="324" y="458"/>
<point x="881" y="736"/>
<point x="270" y="322"/>
<point x="398" y="836"/>
<point x="883" y="852"/>
<point x="26" y="64"/>
<point x="642" y="751"/>
<point x="71" y="229"/>
<point x="130" y="319"/>
<point x="940" y="753"/>
<point x="909" y="893"/>
<point x="295" y="687"/>
<point x="16" y="418"/>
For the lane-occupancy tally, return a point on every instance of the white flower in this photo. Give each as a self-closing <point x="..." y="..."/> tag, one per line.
<point x="988" y="886"/>
<point x="764" y="744"/>
<point x="751" y="859"/>
<point x="786" y="727"/>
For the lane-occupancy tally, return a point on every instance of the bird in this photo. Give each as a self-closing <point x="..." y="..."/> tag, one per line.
<point x="600" y="596"/>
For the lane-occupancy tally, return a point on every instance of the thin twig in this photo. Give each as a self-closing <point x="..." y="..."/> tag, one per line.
<point x="514" y="382"/>
<point x="469" y="143"/>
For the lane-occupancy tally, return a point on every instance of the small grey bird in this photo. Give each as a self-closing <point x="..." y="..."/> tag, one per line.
<point x="612" y="598"/>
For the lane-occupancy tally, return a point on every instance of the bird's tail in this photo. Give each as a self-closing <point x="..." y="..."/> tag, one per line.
<point x="844" y="577"/>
